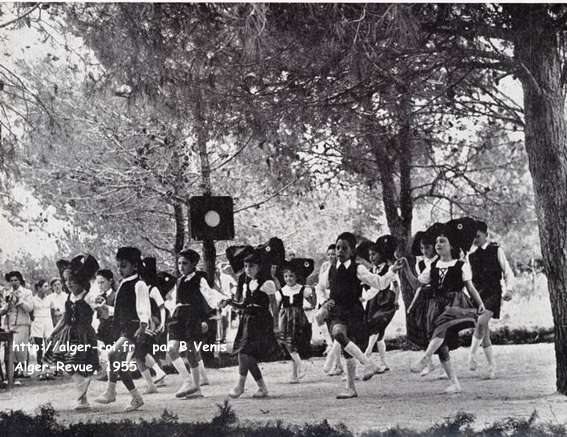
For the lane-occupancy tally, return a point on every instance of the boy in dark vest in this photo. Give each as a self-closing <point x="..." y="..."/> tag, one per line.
<point x="131" y="318"/>
<point x="193" y="299"/>
<point x="489" y="266"/>
<point x="345" y="279"/>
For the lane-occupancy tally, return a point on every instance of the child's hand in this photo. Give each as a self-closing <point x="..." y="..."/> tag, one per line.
<point x="481" y="308"/>
<point x="140" y="332"/>
<point x="399" y="264"/>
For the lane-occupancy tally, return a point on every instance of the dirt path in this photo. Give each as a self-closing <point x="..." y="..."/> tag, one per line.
<point x="526" y="382"/>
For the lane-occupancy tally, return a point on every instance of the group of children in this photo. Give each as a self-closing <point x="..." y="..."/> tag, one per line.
<point x="356" y="297"/>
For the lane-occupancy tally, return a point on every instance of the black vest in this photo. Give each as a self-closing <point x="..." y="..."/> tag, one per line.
<point x="296" y="300"/>
<point x="485" y="268"/>
<point x="189" y="292"/>
<point x="451" y="283"/>
<point x="255" y="297"/>
<point x="125" y="303"/>
<point x="346" y="288"/>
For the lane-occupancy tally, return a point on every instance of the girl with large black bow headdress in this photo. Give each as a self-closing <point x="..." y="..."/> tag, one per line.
<point x="381" y="305"/>
<point x="449" y="310"/>
<point x="73" y="341"/>
<point x="255" y="339"/>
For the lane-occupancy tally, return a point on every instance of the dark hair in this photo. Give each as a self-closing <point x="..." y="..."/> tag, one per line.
<point x="40" y="284"/>
<point x="332" y="247"/>
<point x="83" y="282"/>
<point x="17" y="275"/>
<point x="349" y="237"/>
<point x="107" y="274"/>
<point x="482" y="226"/>
<point x="455" y="250"/>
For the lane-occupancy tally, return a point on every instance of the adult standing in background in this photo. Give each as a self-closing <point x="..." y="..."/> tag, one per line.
<point x="59" y="297"/>
<point x="19" y="306"/>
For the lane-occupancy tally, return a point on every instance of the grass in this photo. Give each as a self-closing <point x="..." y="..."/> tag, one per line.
<point x="45" y="424"/>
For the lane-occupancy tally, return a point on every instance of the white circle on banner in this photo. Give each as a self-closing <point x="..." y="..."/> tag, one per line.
<point x="212" y="219"/>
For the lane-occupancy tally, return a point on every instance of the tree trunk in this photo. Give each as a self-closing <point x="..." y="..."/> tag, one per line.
<point x="398" y="207"/>
<point x="179" y="228"/>
<point x="209" y="250"/>
<point x="536" y="47"/>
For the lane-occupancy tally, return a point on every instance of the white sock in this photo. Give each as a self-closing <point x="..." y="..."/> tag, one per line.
<point x="382" y="351"/>
<point x="111" y="387"/>
<point x="179" y="365"/>
<point x="475" y="343"/>
<point x="148" y="377"/>
<point x="158" y="370"/>
<point x="296" y="358"/>
<point x="135" y="394"/>
<point x="489" y="356"/>
<point x="202" y="370"/>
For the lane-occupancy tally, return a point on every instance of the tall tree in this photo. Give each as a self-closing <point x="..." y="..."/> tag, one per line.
<point x="528" y="42"/>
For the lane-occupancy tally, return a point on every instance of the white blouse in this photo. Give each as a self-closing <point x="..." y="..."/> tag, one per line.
<point x="425" y="276"/>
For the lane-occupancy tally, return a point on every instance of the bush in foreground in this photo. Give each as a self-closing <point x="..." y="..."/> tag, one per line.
<point x="45" y="424"/>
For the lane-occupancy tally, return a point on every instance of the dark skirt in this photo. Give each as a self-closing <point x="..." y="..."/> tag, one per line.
<point x="379" y="312"/>
<point x="416" y="321"/>
<point x="105" y="332"/>
<point x="492" y="300"/>
<point x="294" y="329"/>
<point x="447" y="315"/>
<point x="185" y="325"/>
<point x="255" y="335"/>
<point x="84" y="337"/>
<point x="353" y="318"/>
<point x="124" y="328"/>
<point x="145" y="345"/>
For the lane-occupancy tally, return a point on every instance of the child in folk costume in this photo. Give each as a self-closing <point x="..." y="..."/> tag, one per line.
<point x="489" y="266"/>
<point x="165" y="283"/>
<point x="423" y="248"/>
<point x="255" y="338"/>
<point x="381" y="305"/>
<point x="293" y="324"/>
<point x="193" y="297"/>
<point x="345" y="281"/>
<point x="131" y="319"/>
<point x="75" y="328"/>
<point x="155" y="327"/>
<point x="448" y="308"/>
<point x="105" y="305"/>
<point x="332" y="366"/>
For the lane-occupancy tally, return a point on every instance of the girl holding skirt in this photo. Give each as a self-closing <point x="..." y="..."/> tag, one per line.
<point x="449" y="310"/>
<point x="294" y="330"/>
<point x="73" y="341"/>
<point x="255" y="339"/>
<point x="381" y="305"/>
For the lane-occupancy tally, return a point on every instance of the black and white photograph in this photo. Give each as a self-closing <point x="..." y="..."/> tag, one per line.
<point x="287" y="219"/>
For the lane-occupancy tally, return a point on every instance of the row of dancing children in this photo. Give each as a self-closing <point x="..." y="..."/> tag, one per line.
<point x="133" y="328"/>
<point x="440" y="309"/>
